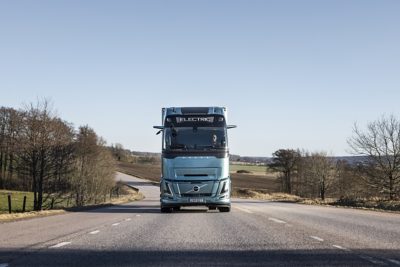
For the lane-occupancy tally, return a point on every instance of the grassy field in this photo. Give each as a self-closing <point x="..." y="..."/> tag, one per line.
<point x="256" y="169"/>
<point x="17" y="198"/>
<point x="266" y="182"/>
<point x="126" y="194"/>
<point x="150" y="172"/>
<point x="16" y="201"/>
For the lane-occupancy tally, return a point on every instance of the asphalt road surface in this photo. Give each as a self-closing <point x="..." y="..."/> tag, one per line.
<point x="254" y="233"/>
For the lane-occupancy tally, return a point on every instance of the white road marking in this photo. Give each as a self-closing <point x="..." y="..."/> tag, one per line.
<point x="340" y="247"/>
<point x="394" y="261"/>
<point x="245" y="210"/>
<point x="3" y="264"/>
<point x="127" y="220"/>
<point x="94" y="232"/>
<point x="372" y="260"/>
<point x="115" y="224"/>
<point x="138" y="215"/>
<point x="317" y="238"/>
<point x="60" y="245"/>
<point x="276" y="220"/>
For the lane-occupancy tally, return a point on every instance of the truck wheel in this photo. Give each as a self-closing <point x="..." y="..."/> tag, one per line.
<point x="224" y="209"/>
<point x="212" y="208"/>
<point x="165" y="210"/>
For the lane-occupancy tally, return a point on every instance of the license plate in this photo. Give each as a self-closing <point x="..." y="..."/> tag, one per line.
<point x="196" y="200"/>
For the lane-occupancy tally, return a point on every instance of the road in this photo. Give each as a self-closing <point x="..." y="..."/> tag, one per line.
<point x="255" y="233"/>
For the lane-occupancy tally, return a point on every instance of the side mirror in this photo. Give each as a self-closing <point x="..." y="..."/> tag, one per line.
<point x="231" y="126"/>
<point x="160" y="128"/>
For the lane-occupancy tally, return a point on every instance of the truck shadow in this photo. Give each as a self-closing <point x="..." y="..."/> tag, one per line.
<point x="146" y="206"/>
<point x="200" y="257"/>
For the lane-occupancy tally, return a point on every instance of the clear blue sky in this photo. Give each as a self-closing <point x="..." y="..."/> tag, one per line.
<point x="294" y="74"/>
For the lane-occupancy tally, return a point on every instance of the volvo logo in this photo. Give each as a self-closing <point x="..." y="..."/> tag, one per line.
<point x="196" y="188"/>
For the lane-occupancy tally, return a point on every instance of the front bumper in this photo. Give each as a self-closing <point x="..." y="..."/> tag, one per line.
<point x="197" y="201"/>
<point x="217" y="196"/>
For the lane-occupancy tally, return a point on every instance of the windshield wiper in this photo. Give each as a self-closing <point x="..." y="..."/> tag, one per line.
<point x="177" y="146"/>
<point x="207" y="146"/>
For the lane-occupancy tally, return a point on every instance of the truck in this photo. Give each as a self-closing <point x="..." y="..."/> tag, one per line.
<point x="195" y="158"/>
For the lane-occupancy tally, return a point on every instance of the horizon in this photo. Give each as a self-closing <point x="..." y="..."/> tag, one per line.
<point x="292" y="75"/>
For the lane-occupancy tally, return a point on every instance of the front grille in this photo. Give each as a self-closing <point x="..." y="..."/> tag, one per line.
<point x="196" y="195"/>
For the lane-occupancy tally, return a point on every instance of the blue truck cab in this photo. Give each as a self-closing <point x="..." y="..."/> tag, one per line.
<point x="195" y="158"/>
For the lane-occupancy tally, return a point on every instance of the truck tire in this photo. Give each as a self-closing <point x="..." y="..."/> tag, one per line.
<point x="224" y="209"/>
<point x="166" y="210"/>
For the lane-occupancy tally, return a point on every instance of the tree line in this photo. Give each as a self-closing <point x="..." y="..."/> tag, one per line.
<point x="41" y="153"/>
<point x="375" y="174"/>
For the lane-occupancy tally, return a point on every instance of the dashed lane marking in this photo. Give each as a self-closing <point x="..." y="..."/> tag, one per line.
<point x="364" y="257"/>
<point x="317" y="238"/>
<point x="127" y="220"/>
<point x="340" y="247"/>
<point x="115" y="224"/>
<point x="372" y="260"/>
<point x="276" y="220"/>
<point x="394" y="261"/>
<point x="245" y="210"/>
<point x="138" y="215"/>
<point x="59" y="245"/>
<point x="94" y="232"/>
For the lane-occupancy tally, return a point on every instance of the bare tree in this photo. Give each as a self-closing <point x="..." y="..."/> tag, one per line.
<point x="10" y="126"/>
<point x="36" y="149"/>
<point x="118" y="151"/>
<point x="380" y="142"/>
<point x="284" y="161"/>
<point x="320" y="172"/>
<point x="41" y="153"/>
<point x="61" y="159"/>
<point x="94" y="175"/>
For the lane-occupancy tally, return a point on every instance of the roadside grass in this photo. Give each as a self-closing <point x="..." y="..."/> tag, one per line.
<point x="5" y="217"/>
<point x="126" y="194"/>
<point x="376" y="204"/>
<point x="368" y="203"/>
<point x="264" y="195"/>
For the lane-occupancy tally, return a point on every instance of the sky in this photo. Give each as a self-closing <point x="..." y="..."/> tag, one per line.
<point x="293" y="74"/>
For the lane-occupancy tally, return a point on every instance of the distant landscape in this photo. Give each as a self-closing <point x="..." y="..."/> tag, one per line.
<point x="251" y="159"/>
<point x="313" y="177"/>
<point x="64" y="166"/>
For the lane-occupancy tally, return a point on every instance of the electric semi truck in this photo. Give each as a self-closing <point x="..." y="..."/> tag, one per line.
<point x="195" y="158"/>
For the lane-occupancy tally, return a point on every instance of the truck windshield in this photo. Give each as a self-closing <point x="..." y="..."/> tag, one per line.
<point x="195" y="138"/>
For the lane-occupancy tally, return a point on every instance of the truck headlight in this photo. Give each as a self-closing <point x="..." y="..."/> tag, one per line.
<point x="167" y="189"/>
<point x="224" y="188"/>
